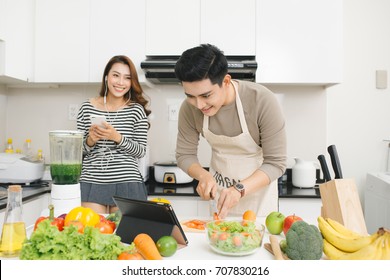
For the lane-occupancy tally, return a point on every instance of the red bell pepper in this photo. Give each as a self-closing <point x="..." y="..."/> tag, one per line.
<point x="58" y="222"/>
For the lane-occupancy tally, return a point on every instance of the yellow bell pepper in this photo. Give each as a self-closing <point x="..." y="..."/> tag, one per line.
<point x="159" y="199"/>
<point x="85" y="215"/>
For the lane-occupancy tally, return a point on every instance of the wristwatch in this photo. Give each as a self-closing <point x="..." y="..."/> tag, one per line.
<point x="240" y="188"/>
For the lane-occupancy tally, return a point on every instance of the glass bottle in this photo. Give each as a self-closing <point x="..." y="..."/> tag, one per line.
<point x="40" y="156"/>
<point x="10" y="147"/>
<point x="14" y="229"/>
<point x="27" y="151"/>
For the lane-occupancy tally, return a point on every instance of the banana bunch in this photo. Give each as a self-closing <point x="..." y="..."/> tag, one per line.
<point x="341" y="243"/>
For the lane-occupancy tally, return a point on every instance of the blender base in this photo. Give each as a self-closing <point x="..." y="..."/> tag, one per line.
<point x="64" y="198"/>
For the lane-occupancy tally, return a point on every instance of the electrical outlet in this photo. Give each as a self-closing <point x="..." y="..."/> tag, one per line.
<point x="173" y="112"/>
<point x="72" y="112"/>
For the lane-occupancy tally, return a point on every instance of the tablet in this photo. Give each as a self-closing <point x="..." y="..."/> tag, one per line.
<point x="153" y="218"/>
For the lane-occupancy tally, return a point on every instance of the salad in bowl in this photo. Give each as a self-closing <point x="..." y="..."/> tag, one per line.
<point x="234" y="237"/>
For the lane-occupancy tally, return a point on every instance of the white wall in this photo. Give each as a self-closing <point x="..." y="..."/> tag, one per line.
<point x="32" y="113"/>
<point x="358" y="113"/>
<point x="3" y="114"/>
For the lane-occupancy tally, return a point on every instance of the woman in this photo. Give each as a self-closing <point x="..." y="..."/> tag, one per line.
<point x="244" y="126"/>
<point x="113" y="146"/>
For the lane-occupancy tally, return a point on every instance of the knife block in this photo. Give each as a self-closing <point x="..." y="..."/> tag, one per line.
<point x="341" y="202"/>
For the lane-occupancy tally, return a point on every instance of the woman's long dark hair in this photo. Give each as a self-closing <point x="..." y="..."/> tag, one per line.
<point x="136" y="93"/>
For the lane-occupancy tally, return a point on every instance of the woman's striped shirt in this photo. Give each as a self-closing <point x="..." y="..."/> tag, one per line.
<point x="108" y="162"/>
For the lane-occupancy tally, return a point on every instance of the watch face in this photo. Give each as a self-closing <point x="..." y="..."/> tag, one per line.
<point x="240" y="187"/>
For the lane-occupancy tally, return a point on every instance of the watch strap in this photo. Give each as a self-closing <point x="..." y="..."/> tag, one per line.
<point x="240" y="188"/>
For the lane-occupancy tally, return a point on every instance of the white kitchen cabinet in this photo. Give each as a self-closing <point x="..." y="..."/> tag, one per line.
<point x="230" y="25"/>
<point x="299" y="41"/>
<point x="76" y="38"/>
<point x="16" y="40"/>
<point x="2" y="19"/>
<point x="62" y="41"/>
<point x="172" y="26"/>
<point x="117" y="27"/>
<point x="307" y="208"/>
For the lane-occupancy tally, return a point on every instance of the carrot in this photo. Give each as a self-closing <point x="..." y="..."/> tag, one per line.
<point x="146" y="247"/>
<point x="130" y="256"/>
<point x="201" y="227"/>
<point x="190" y="225"/>
<point x="197" y="224"/>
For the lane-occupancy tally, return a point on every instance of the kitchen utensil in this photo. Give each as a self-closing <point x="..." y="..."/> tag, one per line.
<point x="168" y="172"/>
<point x="324" y="167"/>
<point x="341" y="202"/>
<point x="213" y="207"/>
<point x="276" y="247"/>
<point x="335" y="161"/>
<point x="303" y="174"/>
<point x="16" y="168"/>
<point x="66" y="154"/>
<point x="268" y="247"/>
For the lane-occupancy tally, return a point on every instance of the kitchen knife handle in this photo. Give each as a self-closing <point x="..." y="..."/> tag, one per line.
<point x="335" y="162"/>
<point x="324" y="168"/>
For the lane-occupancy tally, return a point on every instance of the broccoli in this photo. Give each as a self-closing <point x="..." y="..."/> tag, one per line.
<point x="303" y="242"/>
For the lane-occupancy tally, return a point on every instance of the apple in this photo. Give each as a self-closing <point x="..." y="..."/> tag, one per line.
<point x="288" y="221"/>
<point x="274" y="222"/>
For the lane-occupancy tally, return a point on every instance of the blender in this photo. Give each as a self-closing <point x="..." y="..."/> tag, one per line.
<point x="65" y="169"/>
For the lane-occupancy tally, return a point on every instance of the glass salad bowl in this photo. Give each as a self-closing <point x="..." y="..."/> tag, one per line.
<point x="234" y="237"/>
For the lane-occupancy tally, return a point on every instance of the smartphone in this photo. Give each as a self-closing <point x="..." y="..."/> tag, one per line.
<point x="98" y="120"/>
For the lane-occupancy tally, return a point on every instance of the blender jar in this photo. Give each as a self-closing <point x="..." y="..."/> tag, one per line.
<point x="66" y="156"/>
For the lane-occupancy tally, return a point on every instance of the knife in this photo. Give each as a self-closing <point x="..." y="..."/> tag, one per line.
<point x="213" y="207"/>
<point x="324" y="168"/>
<point x="335" y="162"/>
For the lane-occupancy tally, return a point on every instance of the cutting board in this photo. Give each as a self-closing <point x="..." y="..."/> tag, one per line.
<point x="268" y="247"/>
<point x="341" y="202"/>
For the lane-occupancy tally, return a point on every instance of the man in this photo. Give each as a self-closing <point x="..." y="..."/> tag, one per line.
<point x="244" y="126"/>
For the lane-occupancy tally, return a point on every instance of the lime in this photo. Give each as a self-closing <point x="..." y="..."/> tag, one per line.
<point x="166" y="245"/>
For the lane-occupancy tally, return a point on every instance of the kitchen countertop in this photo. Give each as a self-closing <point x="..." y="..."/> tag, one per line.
<point x="199" y="249"/>
<point x="285" y="188"/>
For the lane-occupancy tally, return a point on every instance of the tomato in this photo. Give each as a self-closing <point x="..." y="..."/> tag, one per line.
<point x="79" y="225"/>
<point x="104" y="228"/>
<point x="130" y="256"/>
<point x="237" y="241"/>
<point x="249" y="215"/>
<point x="223" y="236"/>
<point x="214" y="237"/>
<point x="111" y="224"/>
